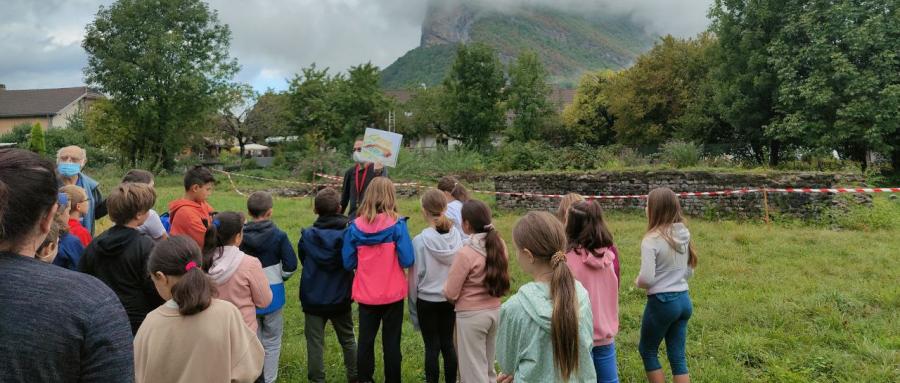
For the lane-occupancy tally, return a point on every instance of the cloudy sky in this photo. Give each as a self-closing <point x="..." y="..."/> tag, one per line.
<point x="40" y="40"/>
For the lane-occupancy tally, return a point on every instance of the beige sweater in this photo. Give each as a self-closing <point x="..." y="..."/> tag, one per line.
<point x="212" y="346"/>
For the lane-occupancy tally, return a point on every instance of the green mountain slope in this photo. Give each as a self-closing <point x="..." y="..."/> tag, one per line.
<point x="569" y="44"/>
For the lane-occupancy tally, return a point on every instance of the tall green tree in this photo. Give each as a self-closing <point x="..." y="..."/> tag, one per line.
<point x="232" y="121"/>
<point x="588" y="118"/>
<point x="427" y="112"/>
<point x="315" y="115"/>
<point x="361" y="102"/>
<point x="746" y="83"/>
<point x="164" y="65"/>
<point x="474" y="100"/>
<point x="838" y="70"/>
<point x="527" y="98"/>
<point x="269" y="116"/>
<point x="36" y="141"/>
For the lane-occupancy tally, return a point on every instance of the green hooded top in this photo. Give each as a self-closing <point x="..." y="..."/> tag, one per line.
<point x="523" y="343"/>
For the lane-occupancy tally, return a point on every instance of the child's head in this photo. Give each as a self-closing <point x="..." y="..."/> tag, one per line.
<point x="48" y="249"/>
<point x="379" y="198"/>
<point x="138" y="176"/>
<point x="129" y="203"/>
<point x="541" y="244"/>
<point x="585" y="227"/>
<point x="434" y="205"/>
<point x="175" y="267"/>
<point x="453" y="190"/>
<point x="226" y="229"/>
<point x="664" y="210"/>
<point x="328" y="201"/>
<point x="78" y="200"/>
<point x="476" y="216"/>
<point x="259" y="205"/>
<point x="565" y="204"/>
<point x="199" y="183"/>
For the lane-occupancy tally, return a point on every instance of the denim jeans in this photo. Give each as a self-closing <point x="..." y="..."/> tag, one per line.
<point x="605" y="363"/>
<point x="665" y="317"/>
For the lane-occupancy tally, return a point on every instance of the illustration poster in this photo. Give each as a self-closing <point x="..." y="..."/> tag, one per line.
<point x="381" y="146"/>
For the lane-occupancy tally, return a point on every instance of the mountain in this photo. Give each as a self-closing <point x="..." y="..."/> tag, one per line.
<point x="568" y="42"/>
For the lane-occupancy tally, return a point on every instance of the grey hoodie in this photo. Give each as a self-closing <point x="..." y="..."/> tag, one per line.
<point x="434" y="256"/>
<point x="663" y="268"/>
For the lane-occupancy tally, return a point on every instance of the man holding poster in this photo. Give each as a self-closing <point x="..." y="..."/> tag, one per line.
<point x="371" y="153"/>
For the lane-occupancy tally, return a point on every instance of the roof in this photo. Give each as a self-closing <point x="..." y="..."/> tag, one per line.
<point x="41" y="102"/>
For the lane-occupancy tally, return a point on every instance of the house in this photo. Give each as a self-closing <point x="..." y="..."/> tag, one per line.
<point x="49" y="107"/>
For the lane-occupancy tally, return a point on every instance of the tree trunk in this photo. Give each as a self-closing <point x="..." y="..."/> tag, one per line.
<point x="895" y="160"/>
<point x="774" y="153"/>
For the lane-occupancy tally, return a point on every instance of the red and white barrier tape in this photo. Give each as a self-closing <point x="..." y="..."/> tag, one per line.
<point x="340" y="179"/>
<point x="229" y="174"/>
<point x="835" y="191"/>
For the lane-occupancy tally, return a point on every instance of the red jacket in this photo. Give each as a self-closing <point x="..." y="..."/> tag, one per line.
<point x="78" y="230"/>
<point x="190" y="218"/>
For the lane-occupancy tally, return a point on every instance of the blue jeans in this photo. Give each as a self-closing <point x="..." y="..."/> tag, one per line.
<point x="605" y="363"/>
<point x="665" y="317"/>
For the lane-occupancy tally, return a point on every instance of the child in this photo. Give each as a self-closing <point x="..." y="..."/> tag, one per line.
<point x="118" y="256"/>
<point x="325" y="286"/>
<point x="477" y="279"/>
<point x="456" y="195"/>
<point x="378" y="247"/>
<point x="191" y="215"/>
<point x="192" y="337"/>
<point x="70" y="248"/>
<point x="78" y="207"/>
<point x="565" y="204"/>
<point x="153" y="226"/>
<point x="239" y="278"/>
<point x="435" y="249"/>
<point x="48" y="249"/>
<point x="546" y="327"/>
<point x="263" y="240"/>
<point x="591" y="258"/>
<point x="667" y="262"/>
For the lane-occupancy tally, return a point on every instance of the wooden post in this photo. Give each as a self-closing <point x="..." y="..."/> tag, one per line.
<point x="766" y="203"/>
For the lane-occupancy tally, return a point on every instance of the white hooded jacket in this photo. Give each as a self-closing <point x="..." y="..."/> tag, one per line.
<point x="434" y="256"/>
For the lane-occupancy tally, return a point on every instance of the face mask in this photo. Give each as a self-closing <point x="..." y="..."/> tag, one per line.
<point x="357" y="157"/>
<point x="68" y="169"/>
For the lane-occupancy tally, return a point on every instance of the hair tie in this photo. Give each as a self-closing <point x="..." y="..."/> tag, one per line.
<point x="190" y="265"/>
<point x="558" y="258"/>
<point x="489" y="227"/>
<point x="217" y="223"/>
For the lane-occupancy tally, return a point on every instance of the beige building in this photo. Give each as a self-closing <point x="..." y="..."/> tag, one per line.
<point x="49" y="107"/>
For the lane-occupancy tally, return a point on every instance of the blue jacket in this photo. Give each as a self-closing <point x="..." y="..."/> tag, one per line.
<point x="324" y="284"/>
<point x="265" y="241"/>
<point x="70" y="250"/>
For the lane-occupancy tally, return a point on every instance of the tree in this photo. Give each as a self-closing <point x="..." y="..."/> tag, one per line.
<point x="314" y="113"/>
<point x="269" y="116"/>
<point x="36" y="141"/>
<point x="650" y="99"/>
<point x="164" y="65"/>
<point x="361" y="102"/>
<point x="232" y="120"/>
<point x="746" y="83"/>
<point x="839" y="76"/>
<point x="474" y="89"/>
<point x="428" y="114"/>
<point x="588" y="118"/>
<point x="528" y="91"/>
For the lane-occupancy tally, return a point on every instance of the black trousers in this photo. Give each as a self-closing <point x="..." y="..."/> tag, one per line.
<point x="436" y="320"/>
<point x="370" y="318"/>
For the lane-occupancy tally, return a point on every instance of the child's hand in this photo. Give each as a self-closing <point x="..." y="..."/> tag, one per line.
<point x="503" y="378"/>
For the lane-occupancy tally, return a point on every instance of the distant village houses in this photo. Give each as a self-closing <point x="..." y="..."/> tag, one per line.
<point x="49" y="107"/>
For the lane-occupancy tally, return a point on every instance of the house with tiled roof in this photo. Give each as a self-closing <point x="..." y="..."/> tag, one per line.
<point x="49" y="107"/>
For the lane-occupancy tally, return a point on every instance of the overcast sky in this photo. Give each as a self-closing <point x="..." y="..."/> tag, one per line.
<point x="40" y="40"/>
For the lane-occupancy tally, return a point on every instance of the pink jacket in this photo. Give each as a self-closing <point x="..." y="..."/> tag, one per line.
<point x="240" y="280"/>
<point x="465" y="282"/>
<point x="598" y="277"/>
<point x="378" y="251"/>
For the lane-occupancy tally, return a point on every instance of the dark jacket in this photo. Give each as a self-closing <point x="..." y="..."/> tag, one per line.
<point x="356" y="176"/>
<point x="70" y="250"/>
<point x="265" y="241"/>
<point x="57" y="325"/>
<point x="325" y="285"/>
<point x="118" y="257"/>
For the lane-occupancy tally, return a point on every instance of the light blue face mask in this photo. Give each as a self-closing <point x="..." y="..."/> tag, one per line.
<point x="68" y="169"/>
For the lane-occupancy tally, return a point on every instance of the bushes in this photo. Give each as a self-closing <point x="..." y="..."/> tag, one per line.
<point x="681" y="154"/>
<point x="36" y="141"/>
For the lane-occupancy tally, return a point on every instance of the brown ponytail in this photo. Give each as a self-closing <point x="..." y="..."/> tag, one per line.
<point x="180" y="256"/>
<point x="496" y="264"/>
<point x="542" y="234"/>
<point x="434" y="205"/>
<point x="452" y="185"/>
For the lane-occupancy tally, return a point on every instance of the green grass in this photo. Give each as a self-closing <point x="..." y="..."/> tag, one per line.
<point x="771" y="303"/>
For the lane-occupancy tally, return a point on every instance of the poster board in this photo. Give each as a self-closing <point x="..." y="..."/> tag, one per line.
<point x="381" y="146"/>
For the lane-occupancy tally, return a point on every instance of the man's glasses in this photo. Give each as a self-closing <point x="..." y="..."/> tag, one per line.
<point x="357" y="149"/>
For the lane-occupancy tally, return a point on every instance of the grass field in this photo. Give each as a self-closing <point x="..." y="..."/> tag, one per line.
<point x="780" y="303"/>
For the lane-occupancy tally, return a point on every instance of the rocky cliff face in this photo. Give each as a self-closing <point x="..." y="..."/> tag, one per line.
<point x="447" y="22"/>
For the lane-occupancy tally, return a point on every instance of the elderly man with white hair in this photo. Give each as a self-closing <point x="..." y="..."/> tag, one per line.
<point x="70" y="162"/>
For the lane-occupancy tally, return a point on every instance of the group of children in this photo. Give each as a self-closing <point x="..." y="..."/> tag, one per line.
<point x="560" y="326"/>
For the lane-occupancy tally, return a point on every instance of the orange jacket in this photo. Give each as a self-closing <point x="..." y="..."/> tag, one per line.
<point x="190" y="218"/>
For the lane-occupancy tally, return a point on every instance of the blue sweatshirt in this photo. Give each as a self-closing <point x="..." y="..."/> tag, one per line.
<point x="324" y="284"/>
<point x="265" y="241"/>
<point x="70" y="250"/>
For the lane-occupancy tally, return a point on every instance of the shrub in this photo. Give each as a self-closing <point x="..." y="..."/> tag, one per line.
<point x="36" y="141"/>
<point x="518" y="156"/>
<point x="681" y="154"/>
<point x="18" y="134"/>
<point x="433" y="164"/>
